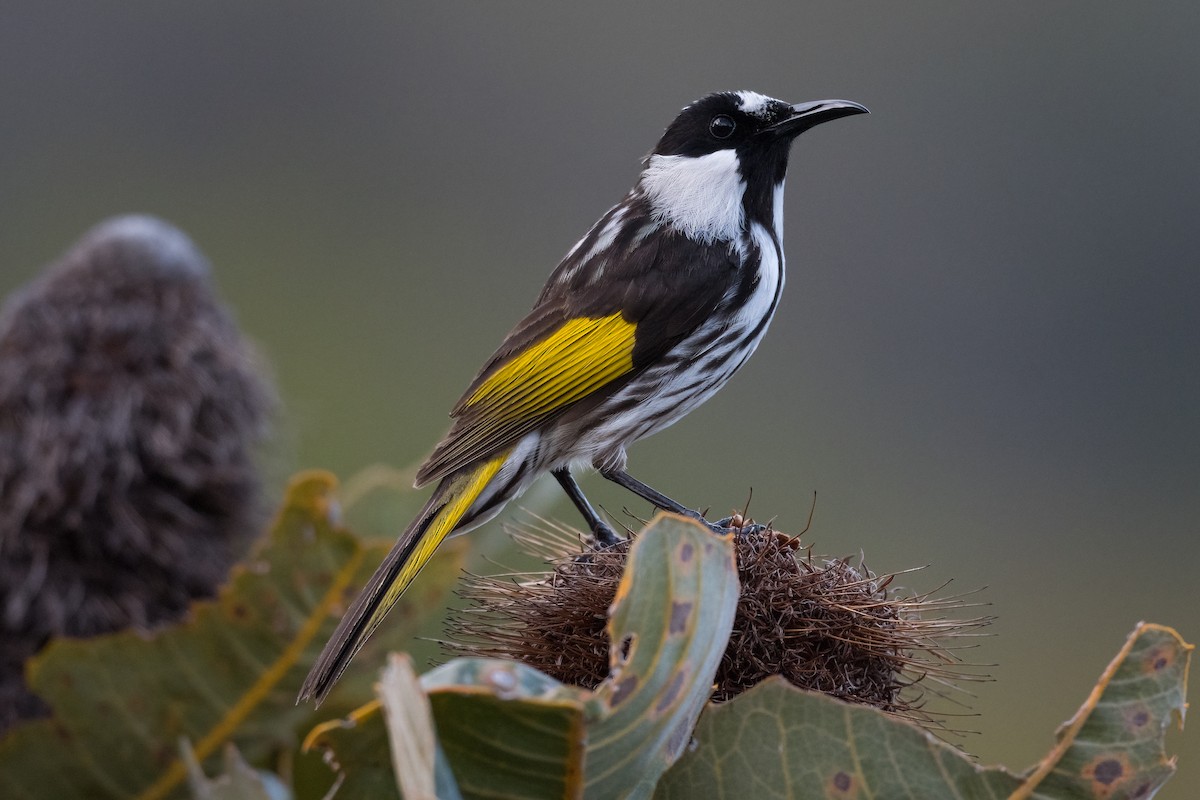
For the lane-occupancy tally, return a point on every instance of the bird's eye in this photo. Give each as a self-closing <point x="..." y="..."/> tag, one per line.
<point x="721" y="126"/>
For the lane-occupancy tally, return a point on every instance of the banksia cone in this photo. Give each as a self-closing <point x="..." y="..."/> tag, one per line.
<point x="130" y="409"/>
<point x="825" y="624"/>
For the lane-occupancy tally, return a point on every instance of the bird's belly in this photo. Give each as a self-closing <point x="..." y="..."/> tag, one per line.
<point x="688" y="375"/>
<point x="655" y="399"/>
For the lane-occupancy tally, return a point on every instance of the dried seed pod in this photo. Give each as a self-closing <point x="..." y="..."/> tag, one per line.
<point x="824" y="624"/>
<point x="130" y="411"/>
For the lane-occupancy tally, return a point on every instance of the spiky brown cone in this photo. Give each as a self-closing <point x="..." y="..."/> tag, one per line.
<point x="824" y="624"/>
<point x="130" y="408"/>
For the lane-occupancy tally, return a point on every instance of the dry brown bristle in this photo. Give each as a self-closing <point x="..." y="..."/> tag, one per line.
<point x="823" y="624"/>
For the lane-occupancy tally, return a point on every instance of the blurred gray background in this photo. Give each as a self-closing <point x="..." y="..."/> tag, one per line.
<point x="988" y="354"/>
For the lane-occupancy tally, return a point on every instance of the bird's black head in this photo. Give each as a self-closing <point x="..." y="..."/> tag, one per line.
<point x="745" y="121"/>
<point x="723" y="161"/>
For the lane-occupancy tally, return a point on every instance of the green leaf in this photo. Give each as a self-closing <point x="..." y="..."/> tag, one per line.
<point x="239" y="781"/>
<point x="674" y="608"/>
<point x="229" y="673"/>
<point x="1114" y="745"/>
<point x="779" y="741"/>
<point x="509" y="731"/>
<point x="356" y="749"/>
<point x="421" y="769"/>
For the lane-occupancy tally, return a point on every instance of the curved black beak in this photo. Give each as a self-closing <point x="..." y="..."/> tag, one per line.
<point x="809" y="115"/>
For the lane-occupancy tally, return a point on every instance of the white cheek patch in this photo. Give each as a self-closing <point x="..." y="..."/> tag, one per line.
<point x="700" y="196"/>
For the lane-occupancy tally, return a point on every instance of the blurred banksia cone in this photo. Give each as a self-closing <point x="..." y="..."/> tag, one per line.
<point x="130" y="411"/>
<point x="822" y="623"/>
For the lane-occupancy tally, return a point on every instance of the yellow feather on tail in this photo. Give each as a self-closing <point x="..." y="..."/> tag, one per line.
<point x="449" y="503"/>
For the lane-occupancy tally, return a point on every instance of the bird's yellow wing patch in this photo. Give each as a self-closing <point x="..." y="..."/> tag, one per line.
<point x="460" y="494"/>
<point x="576" y="359"/>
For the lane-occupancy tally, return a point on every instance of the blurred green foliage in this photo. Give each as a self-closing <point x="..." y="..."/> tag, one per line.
<point x="229" y="674"/>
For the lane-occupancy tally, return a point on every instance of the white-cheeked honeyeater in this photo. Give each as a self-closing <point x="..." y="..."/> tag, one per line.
<point x="647" y="316"/>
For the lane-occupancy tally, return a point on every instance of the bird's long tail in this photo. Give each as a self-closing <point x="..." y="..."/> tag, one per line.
<point x="445" y="510"/>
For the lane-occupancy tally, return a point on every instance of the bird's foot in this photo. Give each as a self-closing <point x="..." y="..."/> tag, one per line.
<point x="605" y="536"/>
<point x="736" y="524"/>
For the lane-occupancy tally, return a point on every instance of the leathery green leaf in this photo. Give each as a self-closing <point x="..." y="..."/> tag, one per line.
<point x="668" y="628"/>
<point x="420" y="765"/>
<point x="356" y="748"/>
<point x="238" y="781"/>
<point x="229" y="673"/>
<point x="777" y="741"/>
<point x="509" y="731"/>
<point x="1114" y="745"/>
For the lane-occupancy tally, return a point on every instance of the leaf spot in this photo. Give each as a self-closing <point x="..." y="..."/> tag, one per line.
<point x="1106" y="773"/>
<point x="625" y="687"/>
<point x="1137" y="719"/>
<point x="686" y="552"/>
<point x="1159" y="659"/>
<point x="626" y="648"/>
<point x="841" y="783"/>
<point x="671" y="692"/>
<point x="680" y="612"/>
<point x="680" y="738"/>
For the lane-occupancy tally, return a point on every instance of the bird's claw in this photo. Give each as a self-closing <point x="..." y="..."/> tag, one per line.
<point x="605" y="536"/>
<point x="736" y="525"/>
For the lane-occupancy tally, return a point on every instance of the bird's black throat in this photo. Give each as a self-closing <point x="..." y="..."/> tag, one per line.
<point x="763" y="168"/>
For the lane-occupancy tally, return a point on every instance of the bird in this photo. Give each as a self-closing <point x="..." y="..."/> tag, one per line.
<point x="646" y="317"/>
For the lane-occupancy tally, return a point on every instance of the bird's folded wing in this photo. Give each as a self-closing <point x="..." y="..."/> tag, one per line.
<point x="523" y="387"/>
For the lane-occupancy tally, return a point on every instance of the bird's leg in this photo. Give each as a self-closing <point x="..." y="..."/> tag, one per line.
<point x="649" y="493"/>
<point x="603" y="533"/>
<point x="660" y="500"/>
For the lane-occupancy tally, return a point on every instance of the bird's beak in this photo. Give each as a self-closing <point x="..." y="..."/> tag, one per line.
<point x="809" y="115"/>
